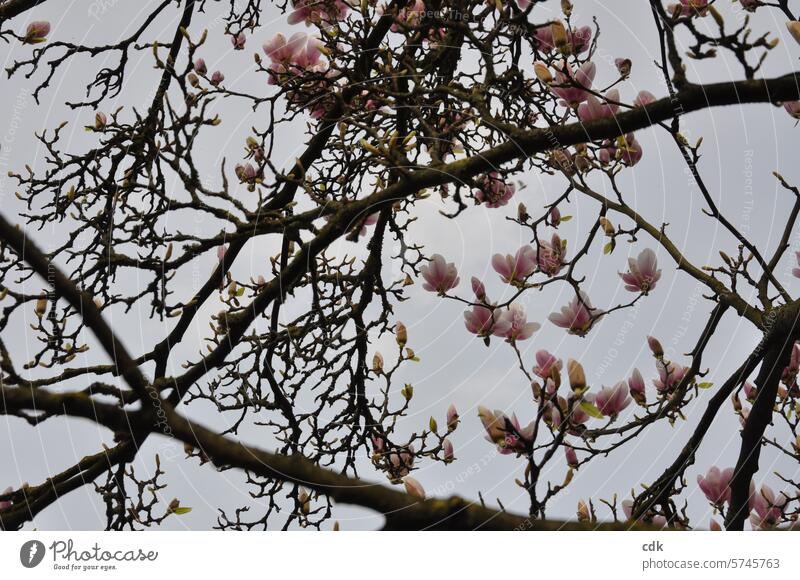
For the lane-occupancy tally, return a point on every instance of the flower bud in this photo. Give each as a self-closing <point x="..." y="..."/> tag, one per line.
<point x="577" y="378"/>
<point x="407" y="391"/>
<point x="623" y="66"/>
<point x="794" y="29"/>
<point x="447" y="447"/>
<point x="572" y="457"/>
<point x="238" y="41"/>
<point x="749" y="391"/>
<point x="636" y="387"/>
<point x="452" y="417"/>
<point x="200" y="66"/>
<point x="542" y="72"/>
<point x="414" y="488"/>
<point x="36" y="32"/>
<point x="555" y="216"/>
<point x="559" y="35"/>
<point x="217" y="78"/>
<point x="304" y="500"/>
<point x="401" y="334"/>
<point x="583" y="511"/>
<point x="655" y="347"/>
<point x="41" y="305"/>
<point x="377" y="363"/>
<point x="479" y="289"/>
<point x="100" y="120"/>
<point x="608" y="227"/>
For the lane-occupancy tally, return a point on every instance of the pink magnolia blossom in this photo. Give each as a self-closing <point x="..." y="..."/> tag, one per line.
<point x="36" y="32"/>
<point x="452" y="417"/>
<point x="576" y="317"/>
<point x="655" y="346"/>
<point x="627" y="509"/>
<point x="318" y="11"/>
<point x="505" y="432"/>
<point x="447" y="449"/>
<point x="594" y="109"/>
<point x="414" y="488"/>
<point x="217" y="78"/>
<point x="669" y="376"/>
<point x="636" y="387"/>
<point x="793" y="108"/>
<point x="515" y="269"/>
<point x="512" y="324"/>
<point x="623" y="66"/>
<point x="370" y="220"/>
<point x="612" y="400"/>
<point x="545" y="363"/>
<point x="572" y="457"/>
<point x="715" y="485"/>
<point x="493" y="191"/>
<point x="796" y="271"/>
<point x="750" y="5"/>
<point x="625" y="149"/>
<point x="689" y="8"/>
<point x="7" y="503"/>
<point x="239" y="41"/>
<point x="100" y="120"/>
<point x="440" y="276"/>
<point x="567" y="79"/>
<point x="299" y="55"/>
<point x="577" y="415"/>
<point x="549" y="389"/>
<point x="402" y="461"/>
<point x="200" y="66"/>
<point x="555" y="216"/>
<point x="578" y="39"/>
<point x="479" y="320"/>
<point x="245" y="172"/>
<point x="221" y="252"/>
<point x="478" y="289"/>
<point x="789" y="376"/>
<point x="642" y="273"/>
<point x="410" y="15"/>
<point x="550" y="255"/>
<point x="644" y="98"/>
<point x="767" y="510"/>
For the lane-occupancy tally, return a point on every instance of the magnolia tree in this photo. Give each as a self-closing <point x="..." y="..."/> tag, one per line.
<point x="400" y="101"/>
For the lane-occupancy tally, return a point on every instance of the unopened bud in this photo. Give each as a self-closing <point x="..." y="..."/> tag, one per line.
<point x="542" y="72"/>
<point x="577" y="378"/>
<point x="407" y="391"/>
<point x="377" y="363"/>
<point x="655" y="347"/>
<point x="608" y="227"/>
<point x="401" y="333"/>
<point x="583" y="511"/>
<point x="559" y="34"/>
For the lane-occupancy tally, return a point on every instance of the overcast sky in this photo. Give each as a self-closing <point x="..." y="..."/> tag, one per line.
<point x="742" y="146"/>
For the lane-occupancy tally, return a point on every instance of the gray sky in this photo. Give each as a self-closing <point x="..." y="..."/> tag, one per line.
<point x="742" y="146"/>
